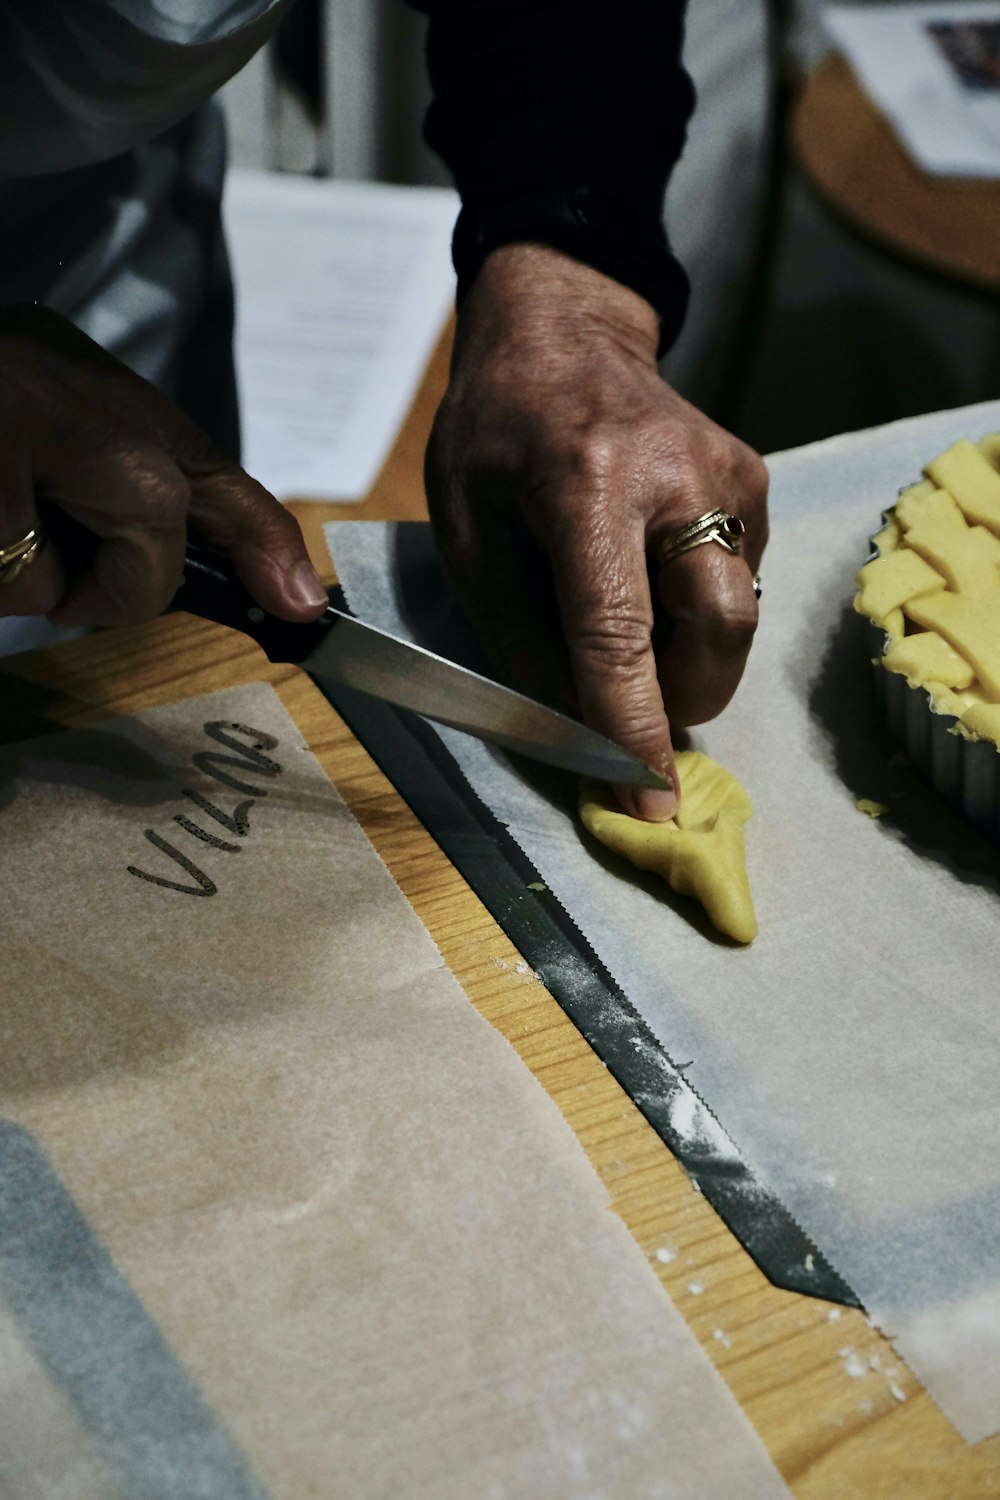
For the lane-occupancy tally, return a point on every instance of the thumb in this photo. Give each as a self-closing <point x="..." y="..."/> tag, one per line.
<point x="233" y="512"/>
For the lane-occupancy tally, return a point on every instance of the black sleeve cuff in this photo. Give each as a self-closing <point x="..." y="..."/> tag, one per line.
<point x="561" y="121"/>
<point x="579" y="222"/>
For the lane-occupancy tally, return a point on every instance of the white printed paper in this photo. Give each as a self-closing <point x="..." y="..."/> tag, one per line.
<point x="342" y="290"/>
<point x="934" y="71"/>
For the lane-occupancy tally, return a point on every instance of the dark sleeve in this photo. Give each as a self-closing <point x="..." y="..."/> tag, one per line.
<point x="538" y="102"/>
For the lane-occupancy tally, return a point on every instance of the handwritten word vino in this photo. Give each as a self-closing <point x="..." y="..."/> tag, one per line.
<point x="250" y="758"/>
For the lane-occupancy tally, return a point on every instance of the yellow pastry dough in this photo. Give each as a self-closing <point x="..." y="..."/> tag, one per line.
<point x="966" y="472"/>
<point x="700" y="853"/>
<point x="920" y="503"/>
<point x="966" y="556"/>
<point x="887" y="540"/>
<point x="889" y="581"/>
<point x="983" y="719"/>
<point x="970" y="625"/>
<point x="927" y="657"/>
<point x="894" y="624"/>
<point x="934" y="586"/>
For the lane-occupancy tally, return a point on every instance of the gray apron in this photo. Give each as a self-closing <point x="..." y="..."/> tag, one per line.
<point x="111" y="168"/>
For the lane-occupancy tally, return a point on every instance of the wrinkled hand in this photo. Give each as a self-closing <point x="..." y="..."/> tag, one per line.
<point x="558" y="440"/>
<point x="85" y="439"/>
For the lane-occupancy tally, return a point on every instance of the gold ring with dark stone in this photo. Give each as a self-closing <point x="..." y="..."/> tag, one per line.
<point x="16" y="557"/>
<point x="713" y="526"/>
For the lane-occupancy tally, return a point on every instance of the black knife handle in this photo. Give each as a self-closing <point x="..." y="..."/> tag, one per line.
<point x="211" y="589"/>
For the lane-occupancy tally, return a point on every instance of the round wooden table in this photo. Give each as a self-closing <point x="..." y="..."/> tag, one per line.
<point x="853" y="157"/>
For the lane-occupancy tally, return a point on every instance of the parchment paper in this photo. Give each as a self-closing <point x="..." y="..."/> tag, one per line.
<point x="852" y="1052"/>
<point x="280" y="1214"/>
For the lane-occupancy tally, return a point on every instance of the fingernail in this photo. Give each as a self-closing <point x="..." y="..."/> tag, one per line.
<point x="648" y="803"/>
<point x="305" y="587"/>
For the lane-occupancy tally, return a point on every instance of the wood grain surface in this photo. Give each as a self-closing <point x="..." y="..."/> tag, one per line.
<point x="854" y="158"/>
<point x="833" y="1435"/>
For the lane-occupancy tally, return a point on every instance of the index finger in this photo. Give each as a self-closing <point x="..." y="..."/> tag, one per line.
<point x="602" y="584"/>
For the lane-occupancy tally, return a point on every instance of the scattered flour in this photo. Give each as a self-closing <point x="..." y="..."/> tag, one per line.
<point x="520" y="967"/>
<point x="854" y="1365"/>
<point x="665" y="1254"/>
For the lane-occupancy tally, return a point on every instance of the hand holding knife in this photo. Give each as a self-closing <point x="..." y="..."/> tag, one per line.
<point x="348" y="651"/>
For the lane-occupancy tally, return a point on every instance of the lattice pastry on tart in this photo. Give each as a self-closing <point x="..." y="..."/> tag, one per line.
<point x="932" y="592"/>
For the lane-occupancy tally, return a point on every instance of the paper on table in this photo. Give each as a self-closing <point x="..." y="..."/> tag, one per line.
<point x="934" y="71"/>
<point x="851" y="1052"/>
<point x="342" y="290"/>
<point x="280" y="1214"/>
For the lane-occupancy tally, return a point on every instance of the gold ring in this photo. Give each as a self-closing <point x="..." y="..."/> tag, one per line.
<point x="18" y="555"/>
<point x="713" y="526"/>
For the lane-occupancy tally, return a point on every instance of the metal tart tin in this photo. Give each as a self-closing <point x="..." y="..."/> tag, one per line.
<point x="963" y="770"/>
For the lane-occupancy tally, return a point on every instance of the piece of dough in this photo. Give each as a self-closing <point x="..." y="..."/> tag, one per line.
<point x="928" y="657"/>
<point x="923" y="503"/>
<point x="887" y="582"/>
<point x="964" y="470"/>
<point x="946" y="527"/>
<point x="700" y="853"/>
<point x="967" y="557"/>
<point x="969" y="624"/>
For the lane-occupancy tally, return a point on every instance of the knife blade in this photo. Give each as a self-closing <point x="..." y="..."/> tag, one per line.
<point x="343" y="649"/>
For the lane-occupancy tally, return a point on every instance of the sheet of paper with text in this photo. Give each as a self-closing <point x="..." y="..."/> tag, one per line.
<point x="933" y="69"/>
<point x="281" y="1215"/>
<point x="342" y="290"/>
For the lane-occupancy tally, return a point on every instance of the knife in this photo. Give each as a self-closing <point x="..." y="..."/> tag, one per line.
<point x="345" y="650"/>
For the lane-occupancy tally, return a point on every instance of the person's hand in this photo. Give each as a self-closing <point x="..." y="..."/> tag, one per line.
<point x="558" y="439"/>
<point x="115" y="472"/>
